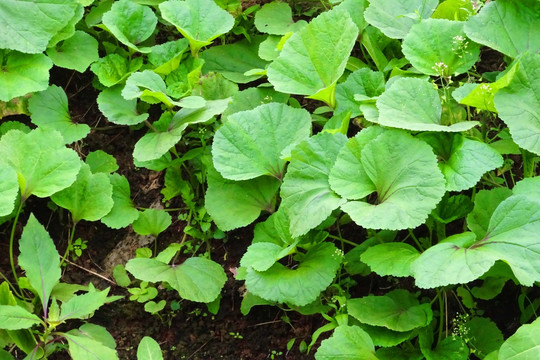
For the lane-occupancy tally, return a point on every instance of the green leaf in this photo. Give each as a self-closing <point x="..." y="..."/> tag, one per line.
<point x="462" y="161"/>
<point x="149" y="349"/>
<point x="69" y="29"/>
<point x="123" y="211"/>
<point x="394" y="17"/>
<point x="251" y="98"/>
<point x="83" y="347"/>
<point x="83" y="306"/>
<point x="485" y="203"/>
<point x="40" y="259"/>
<point x="382" y="336"/>
<point x="166" y="57"/>
<point x="254" y="142"/>
<point x="274" y="230"/>
<point x="234" y="60"/>
<point x="14" y="317"/>
<point x="214" y="86"/>
<point x="49" y="109"/>
<point x="101" y="162"/>
<point x="22" y="73"/>
<point x="484" y="336"/>
<point x="434" y="42"/>
<point x="392" y="259"/>
<point x="76" y="52"/>
<point x="347" y="342"/>
<point x="197" y="279"/>
<point x="356" y="9"/>
<point x="43" y="164"/>
<point x="276" y="19"/>
<point x="113" y="69"/>
<point x="130" y="23"/>
<point x="459" y="10"/>
<point x="233" y="204"/>
<point x="450" y="348"/>
<point x="528" y="186"/>
<point x="365" y="82"/>
<point x="507" y="26"/>
<point x="152" y="222"/>
<point x="121" y="276"/>
<point x="148" y="86"/>
<point x="518" y="104"/>
<point x="199" y="21"/>
<point x="314" y="58"/>
<point x="117" y="109"/>
<point x="30" y="25"/>
<point x="306" y="195"/>
<point x="9" y="189"/>
<point x="299" y="286"/>
<point x="408" y="183"/>
<point x="398" y="310"/>
<point x="88" y="198"/>
<point x="261" y="255"/>
<point x="4" y="355"/>
<point x="397" y="353"/>
<point x="414" y="104"/>
<point x="523" y="345"/>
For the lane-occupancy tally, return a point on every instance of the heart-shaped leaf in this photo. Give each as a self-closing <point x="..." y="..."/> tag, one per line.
<point x="347" y="342"/>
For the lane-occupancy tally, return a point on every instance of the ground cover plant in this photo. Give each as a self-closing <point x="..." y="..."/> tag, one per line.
<point x="368" y="165"/>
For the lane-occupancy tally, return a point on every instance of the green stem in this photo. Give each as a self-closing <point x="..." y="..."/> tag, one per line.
<point x="440" y="229"/>
<point x="416" y="241"/>
<point x="11" y="240"/>
<point x="441" y="315"/>
<point x="11" y="285"/>
<point x="70" y="241"/>
<point x="342" y="239"/>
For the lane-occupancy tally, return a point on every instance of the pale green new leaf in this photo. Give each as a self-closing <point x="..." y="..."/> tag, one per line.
<point x="100" y="161"/>
<point x="399" y="310"/>
<point x="365" y="82"/>
<point x="459" y="10"/>
<point x="233" y="204"/>
<point x="200" y="21"/>
<point x="152" y="222"/>
<point x="518" y="104"/>
<point x="306" y="194"/>
<point x="117" y="109"/>
<point x="261" y="255"/>
<point x="28" y="26"/>
<point x="395" y="17"/>
<point x="414" y="104"/>
<point x="197" y="279"/>
<point x="314" y="58"/>
<point x="83" y="306"/>
<point x="407" y="180"/>
<point x="390" y="259"/>
<point x="276" y="18"/>
<point x="299" y="286"/>
<point x="76" y="52"/>
<point x="462" y="161"/>
<point x="148" y="86"/>
<point x="49" y="109"/>
<point x="348" y="343"/>
<point x="43" y="164"/>
<point x="123" y="211"/>
<point x="88" y="198"/>
<point x="439" y="47"/>
<point x="254" y="142"/>
<point x="83" y="347"/>
<point x="130" y="23"/>
<point x="511" y="27"/>
<point x="113" y="69"/>
<point x="149" y="349"/>
<point x="9" y="189"/>
<point x="166" y="57"/>
<point x="14" y="317"/>
<point x="23" y="73"/>
<point x="523" y="345"/>
<point x="40" y="259"/>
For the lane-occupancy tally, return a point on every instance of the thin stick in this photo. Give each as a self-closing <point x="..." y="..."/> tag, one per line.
<point x="91" y="272"/>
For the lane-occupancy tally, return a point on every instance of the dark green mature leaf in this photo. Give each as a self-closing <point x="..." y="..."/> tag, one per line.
<point x="394" y="17"/>
<point x="349" y="343"/>
<point x="314" y="58"/>
<point x="43" y="164"/>
<point x="399" y="310"/>
<point x="23" y="73"/>
<point x="14" y="317"/>
<point x="306" y="194"/>
<point x="299" y="286"/>
<point x="507" y="26"/>
<point x="439" y="47"/>
<point x="40" y="259"/>
<point x="30" y="25"/>
<point x="49" y="109"/>
<point x="130" y="23"/>
<point x="484" y="335"/>
<point x="254" y="142"/>
<point x="523" y="345"/>
<point x="518" y="104"/>
<point x="197" y="279"/>
<point x="382" y="336"/>
<point x="76" y="52"/>
<point x="123" y="211"/>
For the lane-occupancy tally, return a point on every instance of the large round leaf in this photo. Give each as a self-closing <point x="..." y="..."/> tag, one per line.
<point x="440" y="47"/>
<point x="252" y="143"/>
<point x="76" y="52"/>
<point x="348" y="343"/>
<point x="43" y="164"/>
<point x="117" y="109"/>
<point x="523" y="345"/>
<point x="414" y="104"/>
<point x="395" y="17"/>
<point x="399" y="310"/>
<point x="407" y="180"/>
<point x="299" y="286"/>
<point x="306" y="195"/>
<point x="392" y="258"/>
<point x="518" y="104"/>
<point x="511" y="27"/>
<point x="314" y="58"/>
<point x="197" y="279"/>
